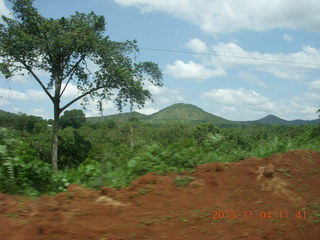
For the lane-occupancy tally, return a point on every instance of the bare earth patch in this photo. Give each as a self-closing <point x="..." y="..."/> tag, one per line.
<point x="273" y="198"/>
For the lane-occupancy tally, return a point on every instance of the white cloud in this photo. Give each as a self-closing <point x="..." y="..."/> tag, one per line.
<point x="239" y="97"/>
<point x="221" y="16"/>
<point x="148" y="111"/>
<point x="192" y="70"/>
<point x="248" y="77"/>
<point x="287" y="37"/>
<point x="3" y="10"/>
<point x="6" y="93"/>
<point x="17" y="79"/>
<point x="36" y="95"/>
<point x="196" y="45"/>
<point x="163" y="95"/>
<point x="292" y="66"/>
<point x="244" y="104"/>
<point x="315" y="85"/>
<point x="70" y="92"/>
<point x="4" y="102"/>
<point x="28" y="95"/>
<point x="92" y="110"/>
<point x="24" y="77"/>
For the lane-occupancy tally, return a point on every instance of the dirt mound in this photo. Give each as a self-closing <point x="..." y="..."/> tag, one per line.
<point x="272" y="198"/>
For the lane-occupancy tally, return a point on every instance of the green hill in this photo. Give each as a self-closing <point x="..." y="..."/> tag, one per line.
<point x="186" y="113"/>
<point x="180" y="112"/>
<point x="272" y="119"/>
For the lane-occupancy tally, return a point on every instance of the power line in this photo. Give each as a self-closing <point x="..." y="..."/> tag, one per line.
<point x="232" y="56"/>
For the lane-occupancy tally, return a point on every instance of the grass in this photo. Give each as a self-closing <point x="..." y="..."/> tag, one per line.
<point x="183" y="180"/>
<point x="144" y="191"/>
<point x="12" y="215"/>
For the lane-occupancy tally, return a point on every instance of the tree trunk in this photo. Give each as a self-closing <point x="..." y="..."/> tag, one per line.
<point x="54" y="150"/>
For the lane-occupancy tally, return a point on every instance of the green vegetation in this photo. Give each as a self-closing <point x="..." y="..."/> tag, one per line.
<point x="105" y="153"/>
<point x="64" y="48"/>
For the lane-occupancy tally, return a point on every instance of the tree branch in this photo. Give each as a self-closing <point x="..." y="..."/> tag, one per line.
<point x="74" y="66"/>
<point x="79" y="97"/>
<point x="66" y="85"/>
<point x="37" y="79"/>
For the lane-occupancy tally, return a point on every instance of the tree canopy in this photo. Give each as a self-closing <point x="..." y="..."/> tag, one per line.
<point x="72" y="118"/>
<point x="73" y="50"/>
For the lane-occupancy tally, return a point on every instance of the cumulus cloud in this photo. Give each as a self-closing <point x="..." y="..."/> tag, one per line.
<point x="314" y="85"/>
<point x="228" y="55"/>
<point x="287" y="37"/>
<point x="4" y="10"/>
<point x="71" y="91"/>
<point x="164" y="95"/>
<point x="292" y="66"/>
<point x="4" y="102"/>
<point x="148" y="111"/>
<point x="245" y="104"/>
<point x="6" y="93"/>
<point x="221" y="16"/>
<point x="192" y="70"/>
<point x="196" y="45"/>
<point x="238" y="97"/>
<point x="28" y="95"/>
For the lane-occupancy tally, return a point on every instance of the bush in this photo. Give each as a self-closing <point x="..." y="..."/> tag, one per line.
<point x="73" y="148"/>
<point x="22" y="172"/>
<point x="175" y="157"/>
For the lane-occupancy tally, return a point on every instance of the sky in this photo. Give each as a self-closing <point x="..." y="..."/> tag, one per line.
<point x="237" y="59"/>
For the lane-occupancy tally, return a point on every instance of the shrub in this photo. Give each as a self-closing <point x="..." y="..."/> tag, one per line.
<point x="22" y="172"/>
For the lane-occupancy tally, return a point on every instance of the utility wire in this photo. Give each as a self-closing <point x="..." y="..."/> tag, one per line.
<point x="230" y="56"/>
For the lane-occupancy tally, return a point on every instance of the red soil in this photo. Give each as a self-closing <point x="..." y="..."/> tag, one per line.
<point x="154" y="207"/>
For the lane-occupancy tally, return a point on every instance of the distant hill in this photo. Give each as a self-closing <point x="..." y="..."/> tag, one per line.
<point x="180" y="112"/>
<point x="272" y="119"/>
<point x="186" y="113"/>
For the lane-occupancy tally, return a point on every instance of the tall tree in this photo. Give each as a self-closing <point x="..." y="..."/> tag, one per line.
<point x="65" y="48"/>
<point x="72" y="118"/>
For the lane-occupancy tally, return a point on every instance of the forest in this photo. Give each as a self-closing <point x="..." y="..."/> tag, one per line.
<point x="115" y="152"/>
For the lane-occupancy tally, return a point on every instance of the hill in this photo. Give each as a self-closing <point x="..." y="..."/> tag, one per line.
<point x="272" y="119"/>
<point x="180" y="112"/>
<point x="186" y="113"/>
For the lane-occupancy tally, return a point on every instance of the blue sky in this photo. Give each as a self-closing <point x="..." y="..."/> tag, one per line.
<point x="264" y="56"/>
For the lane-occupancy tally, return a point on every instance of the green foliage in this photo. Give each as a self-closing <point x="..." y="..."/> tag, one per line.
<point x="175" y="157"/>
<point x="21" y="172"/>
<point x="73" y="118"/>
<point x="99" y="154"/>
<point x="183" y="180"/>
<point x="173" y="132"/>
<point x="63" y="47"/>
<point x="203" y="130"/>
<point x="73" y="148"/>
<point x="185" y="113"/>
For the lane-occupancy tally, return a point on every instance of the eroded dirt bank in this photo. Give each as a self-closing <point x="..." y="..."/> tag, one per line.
<point x="273" y="198"/>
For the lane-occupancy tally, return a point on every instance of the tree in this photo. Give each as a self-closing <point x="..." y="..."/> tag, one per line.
<point x="73" y="118"/>
<point x="66" y="48"/>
